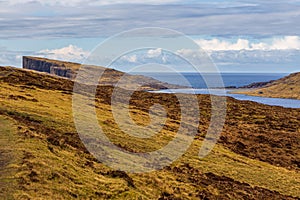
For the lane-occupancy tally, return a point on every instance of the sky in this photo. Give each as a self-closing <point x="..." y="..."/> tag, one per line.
<point x="238" y="35"/>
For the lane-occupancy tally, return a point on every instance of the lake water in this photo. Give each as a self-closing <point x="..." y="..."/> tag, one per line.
<point x="287" y="103"/>
<point x="229" y="79"/>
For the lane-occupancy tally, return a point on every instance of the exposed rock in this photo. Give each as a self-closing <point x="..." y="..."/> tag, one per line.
<point x="51" y="66"/>
<point x="109" y="76"/>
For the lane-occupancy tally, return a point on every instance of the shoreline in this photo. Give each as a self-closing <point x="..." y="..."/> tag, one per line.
<point x="240" y="96"/>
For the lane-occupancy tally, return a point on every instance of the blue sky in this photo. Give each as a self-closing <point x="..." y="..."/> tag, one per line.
<point x="239" y="35"/>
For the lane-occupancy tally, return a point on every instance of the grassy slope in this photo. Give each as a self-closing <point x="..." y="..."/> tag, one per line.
<point x="287" y="87"/>
<point x="54" y="164"/>
<point x="9" y="157"/>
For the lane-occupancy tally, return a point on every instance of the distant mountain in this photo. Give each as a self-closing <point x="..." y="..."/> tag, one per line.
<point x="110" y="76"/>
<point x="286" y="87"/>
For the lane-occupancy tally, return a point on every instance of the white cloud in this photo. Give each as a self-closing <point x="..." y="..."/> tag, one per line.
<point x="288" y="42"/>
<point x="219" y="45"/>
<point x="152" y="53"/>
<point x="69" y="53"/>
<point x="9" y="60"/>
<point x="260" y="46"/>
<point x="130" y="58"/>
<point x="285" y="43"/>
<point x="12" y="58"/>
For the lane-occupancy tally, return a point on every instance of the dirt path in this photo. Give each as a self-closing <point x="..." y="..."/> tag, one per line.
<point x="7" y="157"/>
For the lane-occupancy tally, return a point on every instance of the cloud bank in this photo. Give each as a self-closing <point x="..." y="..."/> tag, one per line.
<point x="69" y="53"/>
<point x="284" y="43"/>
<point x="92" y="18"/>
<point x="229" y="56"/>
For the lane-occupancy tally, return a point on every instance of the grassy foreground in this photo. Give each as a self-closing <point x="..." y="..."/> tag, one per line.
<point x="48" y="160"/>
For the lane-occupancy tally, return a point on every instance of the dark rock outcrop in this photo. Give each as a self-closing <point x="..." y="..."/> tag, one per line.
<point x="257" y="84"/>
<point x="109" y="76"/>
<point x="45" y="65"/>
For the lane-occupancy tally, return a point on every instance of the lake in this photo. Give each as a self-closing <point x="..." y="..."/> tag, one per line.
<point x="287" y="103"/>
<point x="229" y="79"/>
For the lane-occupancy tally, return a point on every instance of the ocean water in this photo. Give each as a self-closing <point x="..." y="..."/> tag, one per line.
<point x="229" y="79"/>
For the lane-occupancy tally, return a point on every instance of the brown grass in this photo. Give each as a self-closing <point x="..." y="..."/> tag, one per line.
<point x="55" y="164"/>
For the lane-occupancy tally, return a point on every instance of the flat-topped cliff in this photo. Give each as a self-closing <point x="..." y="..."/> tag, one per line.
<point x="59" y="68"/>
<point x="109" y="76"/>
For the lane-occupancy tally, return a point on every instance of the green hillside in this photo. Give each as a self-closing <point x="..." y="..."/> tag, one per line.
<point x="286" y="87"/>
<point x="42" y="156"/>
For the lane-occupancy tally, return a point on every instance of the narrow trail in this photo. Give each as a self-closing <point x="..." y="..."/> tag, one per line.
<point x="7" y="158"/>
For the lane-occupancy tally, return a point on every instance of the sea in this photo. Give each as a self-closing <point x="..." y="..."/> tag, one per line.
<point x="197" y="81"/>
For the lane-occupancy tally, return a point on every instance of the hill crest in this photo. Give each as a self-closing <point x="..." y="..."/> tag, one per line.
<point x="109" y="77"/>
<point x="286" y="87"/>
